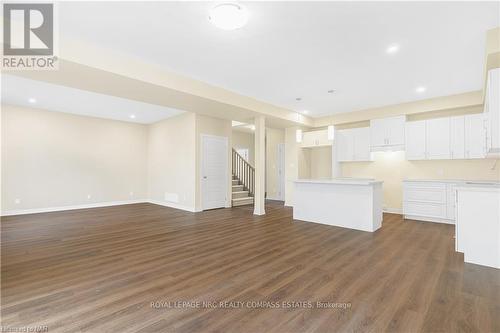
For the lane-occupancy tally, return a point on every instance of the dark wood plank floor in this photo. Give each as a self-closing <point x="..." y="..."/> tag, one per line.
<point x="100" y="270"/>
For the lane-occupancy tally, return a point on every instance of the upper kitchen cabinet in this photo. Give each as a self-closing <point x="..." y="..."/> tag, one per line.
<point x="492" y="113"/>
<point x="457" y="137"/>
<point x="438" y="138"/>
<point x="387" y="133"/>
<point x="353" y="144"/>
<point x="415" y="140"/>
<point x="315" y="139"/>
<point x="475" y="136"/>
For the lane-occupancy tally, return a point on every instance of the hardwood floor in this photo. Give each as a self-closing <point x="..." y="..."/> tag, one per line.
<point x="100" y="270"/>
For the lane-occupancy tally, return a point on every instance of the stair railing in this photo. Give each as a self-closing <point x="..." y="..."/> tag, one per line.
<point x="244" y="172"/>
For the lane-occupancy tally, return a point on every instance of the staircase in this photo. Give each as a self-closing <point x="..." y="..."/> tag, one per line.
<point x="243" y="181"/>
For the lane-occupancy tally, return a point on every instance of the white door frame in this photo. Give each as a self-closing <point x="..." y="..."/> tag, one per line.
<point x="281" y="178"/>
<point x="202" y="167"/>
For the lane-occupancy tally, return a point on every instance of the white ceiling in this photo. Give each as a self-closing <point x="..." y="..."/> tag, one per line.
<point x="302" y="49"/>
<point x="19" y="91"/>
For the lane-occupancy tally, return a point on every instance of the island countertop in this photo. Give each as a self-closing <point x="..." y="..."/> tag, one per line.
<point x="341" y="181"/>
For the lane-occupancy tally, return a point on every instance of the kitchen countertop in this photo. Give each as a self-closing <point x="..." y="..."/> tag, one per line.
<point x="462" y="181"/>
<point x="478" y="186"/>
<point x="341" y="181"/>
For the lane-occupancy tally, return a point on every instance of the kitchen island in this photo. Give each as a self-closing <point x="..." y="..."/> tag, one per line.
<point x="343" y="202"/>
<point x="478" y="223"/>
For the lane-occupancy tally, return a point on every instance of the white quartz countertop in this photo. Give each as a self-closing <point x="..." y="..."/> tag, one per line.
<point x="478" y="186"/>
<point x="464" y="184"/>
<point x="341" y="181"/>
<point x="459" y="181"/>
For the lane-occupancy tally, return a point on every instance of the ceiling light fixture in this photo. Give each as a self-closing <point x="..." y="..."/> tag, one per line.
<point x="393" y="48"/>
<point x="331" y="91"/>
<point x="305" y="111"/>
<point x="32" y="100"/>
<point x="228" y="16"/>
<point x="421" y="89"/>
<point x="298" y="99"/>
<point x="132" y="116"/>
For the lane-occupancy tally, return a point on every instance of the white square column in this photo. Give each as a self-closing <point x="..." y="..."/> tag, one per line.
<point x="260" y="166"/>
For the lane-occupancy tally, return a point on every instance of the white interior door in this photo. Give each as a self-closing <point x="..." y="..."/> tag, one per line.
<point x="281" y="171"/>
<point x="214" y="171"/>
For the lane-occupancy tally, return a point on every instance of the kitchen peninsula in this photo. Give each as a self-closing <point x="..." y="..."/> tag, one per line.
<point x="343" y="202"/>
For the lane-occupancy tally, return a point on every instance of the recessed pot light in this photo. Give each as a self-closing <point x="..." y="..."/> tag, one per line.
<point x="132" y="116"/>
<point x="420" y="89"/>
<point x="32" y="100"/>
<point x="305" y="111"/>
<point x="391" y="49"/>
<point x="228" y="16"/>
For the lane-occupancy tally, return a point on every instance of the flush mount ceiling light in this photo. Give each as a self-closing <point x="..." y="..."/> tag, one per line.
<point x="420" y="89"/>
<point x="391" y="49"/>
<point x="132" y="116"/>
<point x="32" y="100"/>
<point x="228" y="16"/>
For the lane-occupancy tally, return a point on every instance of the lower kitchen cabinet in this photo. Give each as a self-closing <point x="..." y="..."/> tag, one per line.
<point x="432" y="201"/>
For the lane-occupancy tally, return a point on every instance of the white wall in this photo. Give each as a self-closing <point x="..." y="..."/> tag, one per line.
<point x="55" y="160"/>
<point x="52" y="159"/>
<point x="171" y="162"/>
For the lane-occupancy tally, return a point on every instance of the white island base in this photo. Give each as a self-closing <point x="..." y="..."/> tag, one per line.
<point x="347" y="203"/>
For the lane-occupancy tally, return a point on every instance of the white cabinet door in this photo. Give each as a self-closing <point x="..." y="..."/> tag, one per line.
<point x="395" y="127"/>
<point x="362" y="144"/>
<point x="415" y="140"/>
<point x="307" y="139"/>
<point x="438" y="138"/>
<point x="475" y="136"/>
<point x="323" y="138"/>
<point x="378" y="132"/>
<point x="492" y="110"/>
<point x="457" y="137"/>
<point x="345" y="145"/>
<point x="387" y="133"/>
<point x="315" y="139"/>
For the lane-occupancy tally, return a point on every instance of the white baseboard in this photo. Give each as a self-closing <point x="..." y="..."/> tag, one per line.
<point x="73" y="207"/>
<point x="393" y="210"/>
<point x="274" y="198"/>
<point x="429" y="219"/>
<point x="173" y="205"/>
